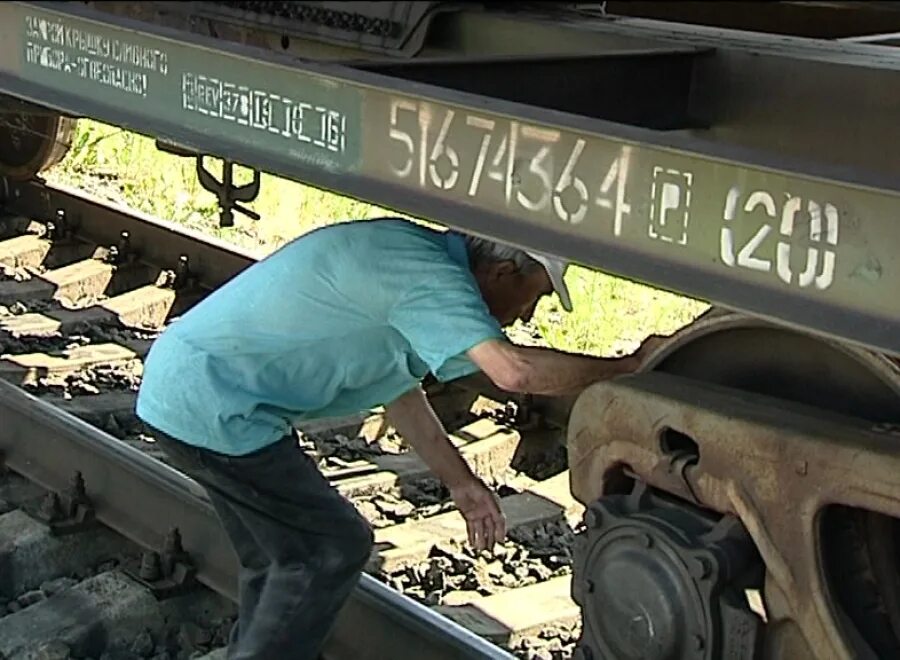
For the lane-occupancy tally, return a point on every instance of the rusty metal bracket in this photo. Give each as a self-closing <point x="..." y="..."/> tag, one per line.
<point x="775" y="465"/>
<point x="681" y="465"/>
<point x="168" y="573"/>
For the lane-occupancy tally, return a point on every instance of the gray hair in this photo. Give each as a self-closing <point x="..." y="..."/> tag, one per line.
<point x="482" y="250"/>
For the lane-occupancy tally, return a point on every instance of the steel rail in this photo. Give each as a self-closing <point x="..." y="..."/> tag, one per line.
<point x="143" y="499"/>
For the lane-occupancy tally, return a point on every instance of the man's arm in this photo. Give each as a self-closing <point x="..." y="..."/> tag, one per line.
<point x="414" y="419"/>
<point x="532" y="370"/>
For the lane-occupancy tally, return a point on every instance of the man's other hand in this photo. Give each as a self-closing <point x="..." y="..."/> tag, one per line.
<point x="414" y="418"/>
<point x="480" y="508"/>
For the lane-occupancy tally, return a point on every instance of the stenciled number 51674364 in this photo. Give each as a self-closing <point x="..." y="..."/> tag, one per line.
<point x="534" y="168"/>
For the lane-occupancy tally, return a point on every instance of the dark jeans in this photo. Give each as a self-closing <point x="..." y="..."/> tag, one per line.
<point x="301" y="544"/>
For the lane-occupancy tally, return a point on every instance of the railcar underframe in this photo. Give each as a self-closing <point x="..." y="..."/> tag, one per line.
<point x="742" y="155"/>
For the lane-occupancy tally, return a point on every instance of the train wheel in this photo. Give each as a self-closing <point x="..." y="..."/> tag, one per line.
<point x="32" y="138"/>
<point x="858" y="549"/>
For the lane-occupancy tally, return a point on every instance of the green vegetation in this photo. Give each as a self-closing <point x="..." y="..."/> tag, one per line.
<point x="611" y="314"/>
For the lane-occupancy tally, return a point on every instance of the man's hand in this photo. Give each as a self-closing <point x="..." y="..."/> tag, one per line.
<point x="413" y="417"/>
<point x="480" y="508"/>
<point x="544" y="371"/>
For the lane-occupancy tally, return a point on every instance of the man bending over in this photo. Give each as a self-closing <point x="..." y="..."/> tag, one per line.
<point x="343" y="319"/>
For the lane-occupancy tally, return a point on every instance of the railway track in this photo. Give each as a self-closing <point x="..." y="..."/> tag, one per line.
<point x="84" y="291"/>
<point x="71" y="596"/>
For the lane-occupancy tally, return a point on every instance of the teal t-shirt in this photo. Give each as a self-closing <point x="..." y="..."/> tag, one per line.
<point x="345" y="318"/>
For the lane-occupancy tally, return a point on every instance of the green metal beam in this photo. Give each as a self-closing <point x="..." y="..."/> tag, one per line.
<point x="803" y="245"/>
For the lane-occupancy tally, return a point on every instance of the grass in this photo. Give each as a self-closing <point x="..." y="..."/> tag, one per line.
<point x="611" y="316"/>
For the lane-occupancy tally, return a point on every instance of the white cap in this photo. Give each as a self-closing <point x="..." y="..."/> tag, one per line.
<point x="556" y="269"/>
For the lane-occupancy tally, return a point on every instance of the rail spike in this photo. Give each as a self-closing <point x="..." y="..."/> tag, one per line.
<point x="167" y="573"/>
<point x="66" y="512"/>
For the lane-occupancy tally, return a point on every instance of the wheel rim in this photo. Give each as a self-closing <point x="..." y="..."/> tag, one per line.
<point x="751" y="355"/>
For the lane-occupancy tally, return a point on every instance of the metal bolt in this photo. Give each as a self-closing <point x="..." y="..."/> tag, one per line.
<point x="75" y="494"/>
<point x="699" y="642"/>
<point x="182" y="271"/>
<point x="55" y="229"/>
<point x="594" y="518"/>
<point x="50" y="507"/>
<point x="700" y="568"/>
<point x="524" y="404"/>
<point x="589" y="586"/>
<point x="172" y="544"/>
<point x="76" y="486"/>
<point x="172" y="551"/>
<point x="801" y="467"/>
<point x="646" y="540"/>
<point x="124" y="244"/>
<point x="150" y="566"/>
